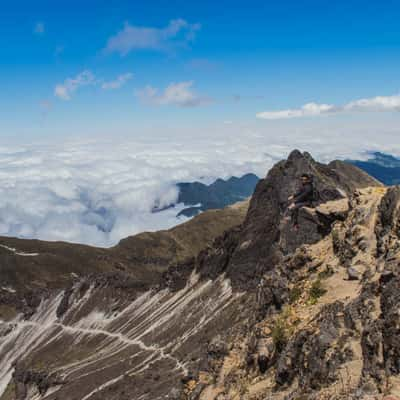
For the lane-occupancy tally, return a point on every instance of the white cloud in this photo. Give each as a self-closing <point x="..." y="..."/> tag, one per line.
<point x="308" y="110"/>
<point x="98" y="192"/>
<point x="120" y="81"/>
<point x="39" y="28"/>
<point x="375" y="104"/>
<point x="64" y="90"/>
<point x="179" y="94"/>
<point x="178" y="33"/>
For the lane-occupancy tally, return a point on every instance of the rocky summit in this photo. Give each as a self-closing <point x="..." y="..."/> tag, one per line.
<point x="238" y="306"/>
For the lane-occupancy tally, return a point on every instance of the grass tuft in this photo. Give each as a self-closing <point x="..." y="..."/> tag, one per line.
<point x="317" y="290"/>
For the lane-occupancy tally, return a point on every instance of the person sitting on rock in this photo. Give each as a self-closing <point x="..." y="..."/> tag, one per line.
<point x="304" y="197"/>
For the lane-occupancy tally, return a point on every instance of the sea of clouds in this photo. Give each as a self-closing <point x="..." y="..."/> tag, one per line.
<point x="98" y="192"/>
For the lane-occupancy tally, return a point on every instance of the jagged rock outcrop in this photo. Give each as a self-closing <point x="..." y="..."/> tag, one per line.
<point x="26" y="379"/>
<point x="335" y="339"/>
<point x="259" y="245"/>
<point x="264" y="312"/>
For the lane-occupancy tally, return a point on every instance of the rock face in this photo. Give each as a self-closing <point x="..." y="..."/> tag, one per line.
<point x="262" y="241"/>
<point x="264" y="312"/>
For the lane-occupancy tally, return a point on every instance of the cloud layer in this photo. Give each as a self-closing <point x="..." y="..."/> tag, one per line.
<point x="178" y="33"/>
<point x="374" y="104"/>
<point x="178" y="94"/>
<point x="98" y="192"/>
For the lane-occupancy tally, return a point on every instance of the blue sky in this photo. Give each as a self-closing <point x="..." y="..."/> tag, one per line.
<point x="222" y="61"/>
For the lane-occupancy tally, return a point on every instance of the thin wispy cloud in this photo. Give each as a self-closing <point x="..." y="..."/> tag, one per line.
<point x="373" y="104"/>
<point x="117" y="83"/>
<point x="39" y="28"/>
<point x="65" y="90"/>
<point x="178" y="33"/>
<point x="179" y="94"/>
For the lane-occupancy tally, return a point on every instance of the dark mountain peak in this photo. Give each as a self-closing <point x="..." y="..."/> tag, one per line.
<point x="295" y="154"/>
<point x="250" y="176"/>
<point x="266" y="237"/>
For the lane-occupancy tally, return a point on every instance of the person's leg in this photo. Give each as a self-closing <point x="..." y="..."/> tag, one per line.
<point x="295" y="212"/>
<point x="287" y="214"/>
<point x="295" y="215"/>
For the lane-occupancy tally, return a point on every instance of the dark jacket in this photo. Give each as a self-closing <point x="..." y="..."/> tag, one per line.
<point x="305" y="194"/>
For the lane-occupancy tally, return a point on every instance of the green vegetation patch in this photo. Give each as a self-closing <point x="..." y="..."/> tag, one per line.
<point x="282" y="329"/>
<point x="295" y="294"/>
<point x="317" y="290"/>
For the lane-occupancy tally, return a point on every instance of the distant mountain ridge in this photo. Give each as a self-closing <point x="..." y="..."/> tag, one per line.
<point x="384" y="167"/>
<point x="221" y="193"/>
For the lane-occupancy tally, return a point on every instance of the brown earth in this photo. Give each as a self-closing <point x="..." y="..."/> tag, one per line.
<point x="42" y="266"/>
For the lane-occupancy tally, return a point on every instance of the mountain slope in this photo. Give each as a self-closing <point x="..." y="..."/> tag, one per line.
<point x="263" y="312"/>
<point x="326" y="336"/>
<point x="31" y="269"/>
